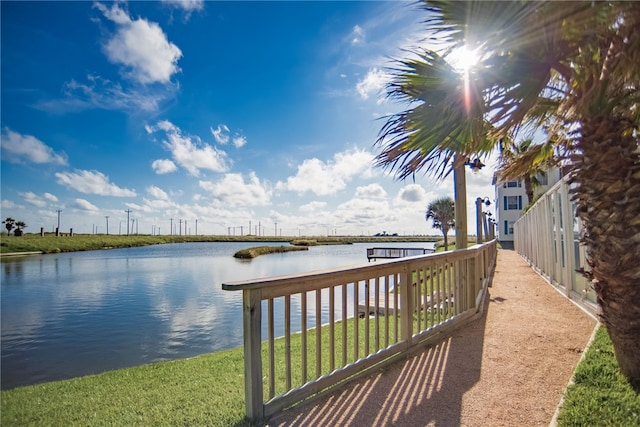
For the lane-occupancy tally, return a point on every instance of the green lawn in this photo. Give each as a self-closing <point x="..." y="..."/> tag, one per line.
<point x="600" y="396"/>
<point x="204" y="390"/>
<point x="209" y="390"/>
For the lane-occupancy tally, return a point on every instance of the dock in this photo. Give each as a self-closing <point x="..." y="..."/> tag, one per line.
<point x="388" y="253"/>
<point x="438" y="300"/>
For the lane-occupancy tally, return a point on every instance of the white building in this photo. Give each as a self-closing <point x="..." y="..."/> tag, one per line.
<point x="511" y="199"/>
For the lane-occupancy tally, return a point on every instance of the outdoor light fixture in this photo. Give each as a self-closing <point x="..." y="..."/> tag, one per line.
<point x="475" y="165"/>
<point x="481" y="217"/>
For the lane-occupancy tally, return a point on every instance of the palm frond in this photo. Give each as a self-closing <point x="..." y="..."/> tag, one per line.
<point x="445" y="118"/>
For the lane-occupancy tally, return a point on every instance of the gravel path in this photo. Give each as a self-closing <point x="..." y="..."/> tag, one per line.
<point x="508" y="368"/>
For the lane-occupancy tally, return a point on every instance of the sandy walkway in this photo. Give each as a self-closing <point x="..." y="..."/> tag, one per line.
<point x="508" y="368"/>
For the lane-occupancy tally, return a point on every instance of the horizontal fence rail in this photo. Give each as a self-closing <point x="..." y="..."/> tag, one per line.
<point x="325" y="328"/>
<point x="548" y="235"/>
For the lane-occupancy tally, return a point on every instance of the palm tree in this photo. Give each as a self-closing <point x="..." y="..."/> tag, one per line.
<point x="9" y="223"/>
<point x="526" y="161"/>
<point x="442" y="212"/>
<point x="20" y="225"/>
<point x="573" y="71"/>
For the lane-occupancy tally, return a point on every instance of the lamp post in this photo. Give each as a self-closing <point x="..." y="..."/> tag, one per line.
<point x="460" y="198"/>
<point x="479" y="218"/>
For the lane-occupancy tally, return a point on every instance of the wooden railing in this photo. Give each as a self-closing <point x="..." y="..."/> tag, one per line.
<point x="337" y="325"/>
<point x="548" y="237"/>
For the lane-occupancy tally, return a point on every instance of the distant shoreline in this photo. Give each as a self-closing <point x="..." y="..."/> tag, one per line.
<point x="35" y="244"/>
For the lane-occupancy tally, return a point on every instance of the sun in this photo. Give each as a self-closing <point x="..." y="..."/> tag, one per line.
<point x="463" y="59"/>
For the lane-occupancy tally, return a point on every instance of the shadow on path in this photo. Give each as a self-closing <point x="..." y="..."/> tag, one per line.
<point x="426" y="389"/>
<point x="508" y="367"/>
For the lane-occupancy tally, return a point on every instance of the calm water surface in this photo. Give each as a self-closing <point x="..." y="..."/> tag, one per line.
<point x="73" y="314"/>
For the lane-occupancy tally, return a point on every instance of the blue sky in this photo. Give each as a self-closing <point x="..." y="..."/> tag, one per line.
<point x="231" y="113"/>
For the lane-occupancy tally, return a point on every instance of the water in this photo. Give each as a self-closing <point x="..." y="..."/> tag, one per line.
<point x="73" y="314"/>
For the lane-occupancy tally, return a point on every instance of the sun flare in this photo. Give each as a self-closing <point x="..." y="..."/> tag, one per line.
<point x="463" y="58"/>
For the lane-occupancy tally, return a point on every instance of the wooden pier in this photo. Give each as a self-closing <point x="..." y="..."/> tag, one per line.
<point x="387" y="253"/>
<point x="386" y="306"/>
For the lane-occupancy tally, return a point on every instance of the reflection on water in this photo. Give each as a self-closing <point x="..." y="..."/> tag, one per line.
<point x="72" y="314"/>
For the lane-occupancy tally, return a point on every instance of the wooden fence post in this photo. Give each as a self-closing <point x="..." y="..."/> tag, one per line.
<point x="406" y="305"/>
<point x="471" y="282"/>
<point x="252" y="317"/>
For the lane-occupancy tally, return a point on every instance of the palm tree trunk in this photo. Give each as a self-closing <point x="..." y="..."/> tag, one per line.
<point x="528" y="188"/>
<point x="446" y="240"/>
<point x="607" y="175"/>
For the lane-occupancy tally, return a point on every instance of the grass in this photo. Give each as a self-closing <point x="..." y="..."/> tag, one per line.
<point x="203" y="390"/>
<point x="256" y="251"/>
<point x="209" y="390"/>
<point x="600" y="394"/>
<point x="49" y="243"/>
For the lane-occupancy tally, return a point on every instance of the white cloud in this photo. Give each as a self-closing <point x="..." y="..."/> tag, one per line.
<point x="190" y="152"/>
<point x="18" y="148"/>
<point x="50" y="197"/>
<point x="84" y="205"/>
<point x="232" y="190"/>
<point x="221" y="134"/>
<point x="371" y="191"/>
<point x="8" y="204"/>
<point x="328" y="178"/>
<point x="157" y="193"/>
<point x="163" y="166"/>
<point x="357" y="35"/>
<point x="141" y="47"/>
<point x="103" y="94"/>
<point x="92" y="182"/>
<point x="33" y="199"/>
<point x="239" y="141"/>
<point x="186" y="5"/>
<point x="312" y="207"/>
<point x="412" y="193"/>
<point x="372" y="83"/>
<point x="361" y="213"/>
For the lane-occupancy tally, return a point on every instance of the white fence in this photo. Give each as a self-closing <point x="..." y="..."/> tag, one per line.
<point x="340" y="324"/>
<point x="548" y="235"/>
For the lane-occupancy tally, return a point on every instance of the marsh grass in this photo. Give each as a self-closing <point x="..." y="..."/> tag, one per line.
<point x="250" y="253"/>
<point x="49" y="243"/>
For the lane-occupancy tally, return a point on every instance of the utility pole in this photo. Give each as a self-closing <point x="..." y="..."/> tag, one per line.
<point x="196" y="226"/>
<point x="171" y="228"/>
<point x="185" y="228"/>
<point x="58" y="229"/>
<point x="180" y="227"/>
<point x="276" y="229"/>
<point x="107" y="217"/>
<point x="128" y="211"/>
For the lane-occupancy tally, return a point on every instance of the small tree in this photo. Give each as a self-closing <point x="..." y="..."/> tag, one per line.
<point x="441" y="211"/>
<point x="9" y="224"/>
<point x="20" y="225"/>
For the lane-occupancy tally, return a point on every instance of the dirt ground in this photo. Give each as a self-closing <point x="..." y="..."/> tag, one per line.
<point x="508" y="368"/>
